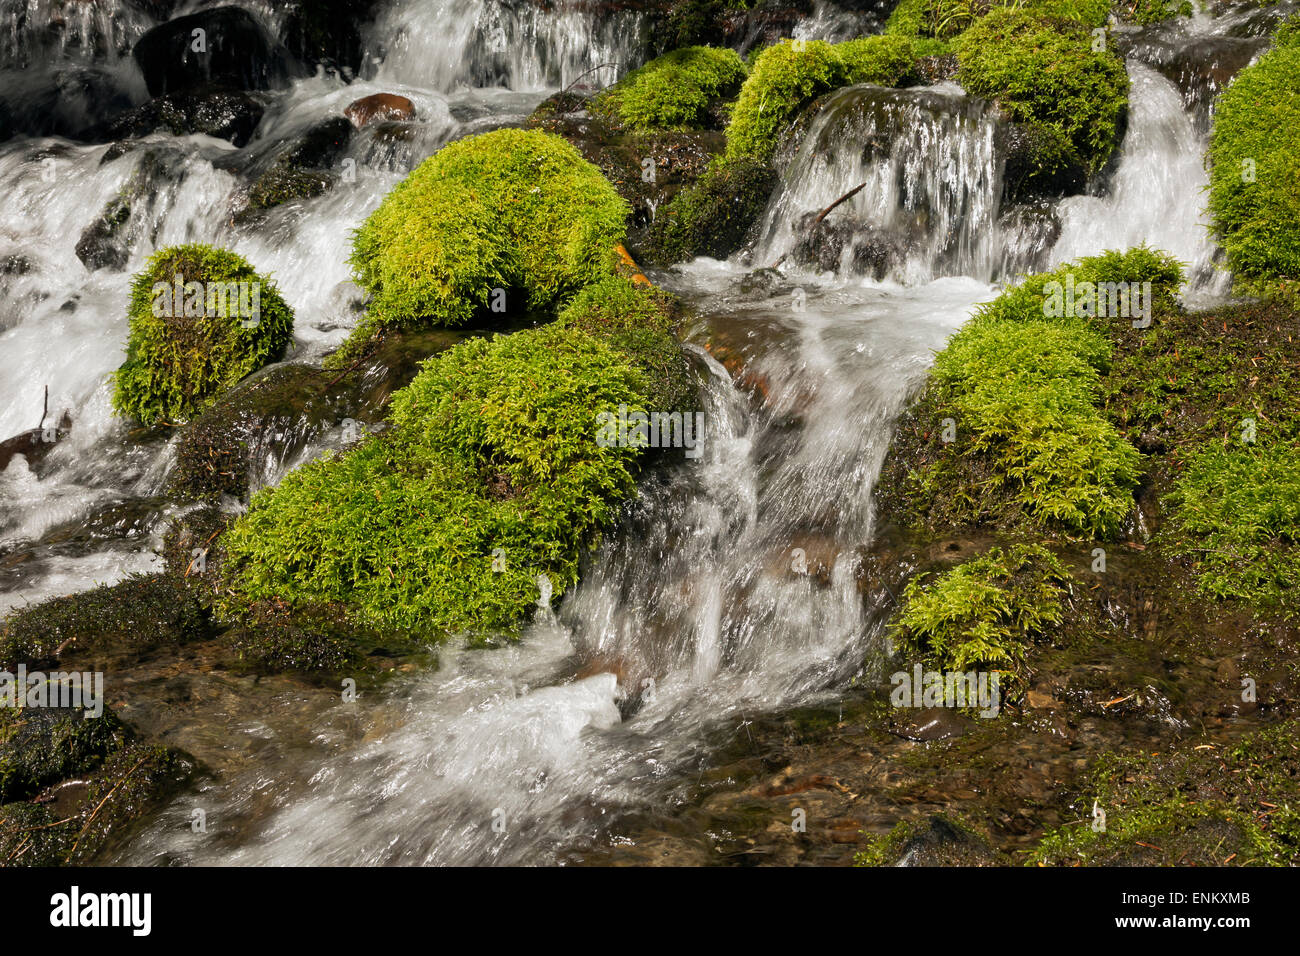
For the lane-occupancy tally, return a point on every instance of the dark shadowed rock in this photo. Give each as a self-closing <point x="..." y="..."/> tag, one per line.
<point x="224" y="46"/>
<point x="226" y="114"/>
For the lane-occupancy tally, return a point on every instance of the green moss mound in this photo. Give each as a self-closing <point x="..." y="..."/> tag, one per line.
<point x="185" y="350"/>
<point x="638" y="321"/>
<point x="489" y="477"/>
<point x="1044" y="73"/>
<point x="1255" y="177"/>
<point x="515" y="210"/>
<point x="1010" y="431"/>
<point x="984" y="613"/>
<point x="1235" y="514"/>
<point x="787" y="76"/>
<point x="674" y="91"/>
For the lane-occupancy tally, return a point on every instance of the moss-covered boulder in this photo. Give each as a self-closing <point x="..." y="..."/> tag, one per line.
<point x="640" y="322"/>
<point x="489" y="478"/>
<point x="512" y="212"/>
<point x="677" y="91"/>
<point x="201" y="320"/>
<point x="1011" y="431"/>
<point x="1255" y="179"/>
<point x="714" y="216"/>
<point x="788" y="76"/>
<point x="1048" y="75"/>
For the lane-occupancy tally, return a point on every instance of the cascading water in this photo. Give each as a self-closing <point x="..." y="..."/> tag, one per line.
<point x="731" y="585"/>
<point x="931" y="179"/>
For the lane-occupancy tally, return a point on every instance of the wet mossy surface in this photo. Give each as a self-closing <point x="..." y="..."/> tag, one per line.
<point x="41" y="745"/>
<point x="84" y="820"/>
<point x="1254" y="202"/>
<point x="104" y="624"/>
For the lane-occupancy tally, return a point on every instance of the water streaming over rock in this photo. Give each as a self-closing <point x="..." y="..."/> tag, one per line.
<point x="731" y="585"/>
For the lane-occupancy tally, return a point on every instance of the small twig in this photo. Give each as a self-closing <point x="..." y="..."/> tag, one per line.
<point x="95" y="812"/>
<point x="581" y="75"/>
<point x="847" y="196"/>
<point x="46" y="410"/>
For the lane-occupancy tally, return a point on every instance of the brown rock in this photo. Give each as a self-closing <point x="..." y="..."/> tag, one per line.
<point x="379" y="106"/>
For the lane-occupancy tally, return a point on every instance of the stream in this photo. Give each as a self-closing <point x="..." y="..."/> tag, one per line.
<point x="690" y="618"/>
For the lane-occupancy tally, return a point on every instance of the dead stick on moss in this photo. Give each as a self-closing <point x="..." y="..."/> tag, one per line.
<point x="95" y="812"/>
<point x="847" y="196"/>
<point x="43" y="826"/>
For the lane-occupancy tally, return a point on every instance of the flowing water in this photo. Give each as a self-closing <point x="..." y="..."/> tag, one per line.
<point x="694" y="613"/>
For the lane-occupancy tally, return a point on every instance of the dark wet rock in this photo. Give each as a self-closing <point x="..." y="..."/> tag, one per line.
<point x="1029" y="231"/>
<point x="930" y="723"/>
<point x="843" y="243"/>
<point x="33" y="445"/>
<point x="82" y="821"/>
<point x="225" y="114"/>
<point x="236" y="54"/>
<point x="379" y="106"/>
<point x="106" y="242"/>
<point x="268" y="420"/>
<point x="1024" y="175"/>
<point x="326" y="32"/>
<point x="305" y="168"/>
<point x="1200" y="67"/>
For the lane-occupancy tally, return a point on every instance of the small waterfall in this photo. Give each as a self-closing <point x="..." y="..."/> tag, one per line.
<point x="730" y="589"/>
<point x="932" y="173"/>
<point x="1157" y="195"/>
<point x="446" y="44"/>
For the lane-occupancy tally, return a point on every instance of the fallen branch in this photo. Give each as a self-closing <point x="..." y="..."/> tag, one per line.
<point x="581" y="75"/>
<point x="847" y="196"/>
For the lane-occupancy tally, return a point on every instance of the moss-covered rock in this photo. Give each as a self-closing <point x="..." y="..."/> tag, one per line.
<point x="983" y="613"/>
<point x="512" y="211"/>
<point x="640" y="322"/>
<point x="788" y="76"/>
<point x="201" y="320"/>
<point x="1046" y="73"/>
<point x="106" y="623"/>
<point x="945" y="19"/>
<point x="713" y="217"/>
<point x="1010" y="431"/>
<point x="489" y="478"/>
<point x="44" y="744"/>
<point x="1255" y="176"/>
<point x="675" y="91"/>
